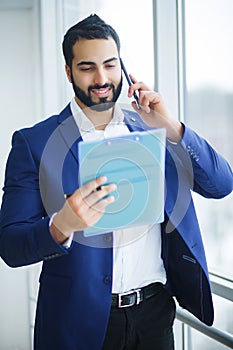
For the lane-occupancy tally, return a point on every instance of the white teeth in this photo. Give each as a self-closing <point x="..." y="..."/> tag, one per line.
<point x="100" y="91"/>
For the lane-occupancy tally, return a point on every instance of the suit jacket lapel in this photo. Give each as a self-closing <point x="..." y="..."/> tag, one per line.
<point x="134" y="121"/>
<point x="69" y="131"/>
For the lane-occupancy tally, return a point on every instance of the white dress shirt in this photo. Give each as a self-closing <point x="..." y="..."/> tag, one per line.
<point x="137" y="258"/>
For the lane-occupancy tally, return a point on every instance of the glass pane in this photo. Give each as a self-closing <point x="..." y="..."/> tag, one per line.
<point x="223" y="314"/>
<point x="202" y="342"/>
<point x="209" y="110"/>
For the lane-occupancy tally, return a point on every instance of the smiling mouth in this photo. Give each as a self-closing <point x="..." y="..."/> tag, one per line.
<point x="101" y="93"/>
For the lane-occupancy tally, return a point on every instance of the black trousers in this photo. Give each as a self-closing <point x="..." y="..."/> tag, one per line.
<point x="147" y="326"/>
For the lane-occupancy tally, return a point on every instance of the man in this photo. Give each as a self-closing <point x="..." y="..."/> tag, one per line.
<point x="95" y="294"/>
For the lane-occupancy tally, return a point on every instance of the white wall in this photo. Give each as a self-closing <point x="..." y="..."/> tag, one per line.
<point x="20" y="105"/>
<point x="19" y="86"/>
<point x="31" y="88"/>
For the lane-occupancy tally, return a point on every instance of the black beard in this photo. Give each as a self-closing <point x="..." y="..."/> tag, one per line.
<point x="103" y="104"/>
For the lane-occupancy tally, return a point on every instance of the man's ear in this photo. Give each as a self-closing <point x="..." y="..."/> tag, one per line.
<point x="68" y="72"/>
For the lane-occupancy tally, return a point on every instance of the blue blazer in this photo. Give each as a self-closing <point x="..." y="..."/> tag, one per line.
<point x="74" y="298"/>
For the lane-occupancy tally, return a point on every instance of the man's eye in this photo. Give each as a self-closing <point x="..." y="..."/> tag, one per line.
<point x="111" y="66"/>
<point x="86" y="68"/>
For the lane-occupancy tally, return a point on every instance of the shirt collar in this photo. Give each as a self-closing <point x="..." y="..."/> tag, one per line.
<point x="84" y="124"/>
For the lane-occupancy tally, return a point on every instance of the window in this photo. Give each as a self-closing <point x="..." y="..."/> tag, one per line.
<point x="209" y="110"/>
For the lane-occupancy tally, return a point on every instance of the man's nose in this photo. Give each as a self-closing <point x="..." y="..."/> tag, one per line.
<point x="100" y="76"/>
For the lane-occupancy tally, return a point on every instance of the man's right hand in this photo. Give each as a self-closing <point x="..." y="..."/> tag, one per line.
<point x="82" y="209"/>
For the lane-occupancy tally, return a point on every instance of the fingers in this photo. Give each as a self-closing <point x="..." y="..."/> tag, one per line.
<point x="97" y="195"/>
<point x="88" y="203"/>
<point x="91" y="186"/>
<point x="146" y="97"/>
<point x="148" y="100"/>
<point x="137" y="86"/>
<point x="83" y="208"/>
<point x="98" y="209"/>
<point x="89" y="215"/>
<point x="92" y="192"/>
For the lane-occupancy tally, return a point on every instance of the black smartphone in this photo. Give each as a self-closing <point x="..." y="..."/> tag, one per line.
<point x="129" y="82"/>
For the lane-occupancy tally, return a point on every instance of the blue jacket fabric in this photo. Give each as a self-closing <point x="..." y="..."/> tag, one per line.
<point x="74" y="298"/>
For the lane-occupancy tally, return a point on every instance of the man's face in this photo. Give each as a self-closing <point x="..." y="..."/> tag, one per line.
<point x="96" y="73"/>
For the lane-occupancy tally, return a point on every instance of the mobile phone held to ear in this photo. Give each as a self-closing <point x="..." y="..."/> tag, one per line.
<point x="129" y="82"/>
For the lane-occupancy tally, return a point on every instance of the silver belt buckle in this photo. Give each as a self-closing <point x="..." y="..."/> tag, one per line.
<point x="137" y="291"/>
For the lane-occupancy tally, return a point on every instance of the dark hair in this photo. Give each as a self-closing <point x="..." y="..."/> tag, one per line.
<point x="92" y="27"/>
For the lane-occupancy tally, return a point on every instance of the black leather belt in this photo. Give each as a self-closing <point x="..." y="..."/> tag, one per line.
<point x="136" y="296"/>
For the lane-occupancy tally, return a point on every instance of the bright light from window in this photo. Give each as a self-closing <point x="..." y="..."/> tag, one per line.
<point x="209" y="33"/>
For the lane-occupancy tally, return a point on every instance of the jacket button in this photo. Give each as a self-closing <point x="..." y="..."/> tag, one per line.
<point x="107" y="279"/>
<point x="107" y="237"/>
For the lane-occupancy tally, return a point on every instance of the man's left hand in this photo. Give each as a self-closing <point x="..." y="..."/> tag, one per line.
<point x="153" y="110"/>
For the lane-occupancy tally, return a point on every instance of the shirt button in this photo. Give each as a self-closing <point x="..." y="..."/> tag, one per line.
<point x="107" y="279"/>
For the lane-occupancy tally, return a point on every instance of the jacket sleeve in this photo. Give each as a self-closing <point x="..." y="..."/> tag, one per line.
<point x="24" y="229"/>
<point x="209" y="173"/>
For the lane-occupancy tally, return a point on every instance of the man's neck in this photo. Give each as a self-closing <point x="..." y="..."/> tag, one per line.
<point x="99" y="119"/>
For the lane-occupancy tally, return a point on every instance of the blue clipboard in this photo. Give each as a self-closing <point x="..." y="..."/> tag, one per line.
<point x="136" y="164"/>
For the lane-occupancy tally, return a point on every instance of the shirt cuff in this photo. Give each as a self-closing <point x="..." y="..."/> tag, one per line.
<point x="69" y="240"/>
